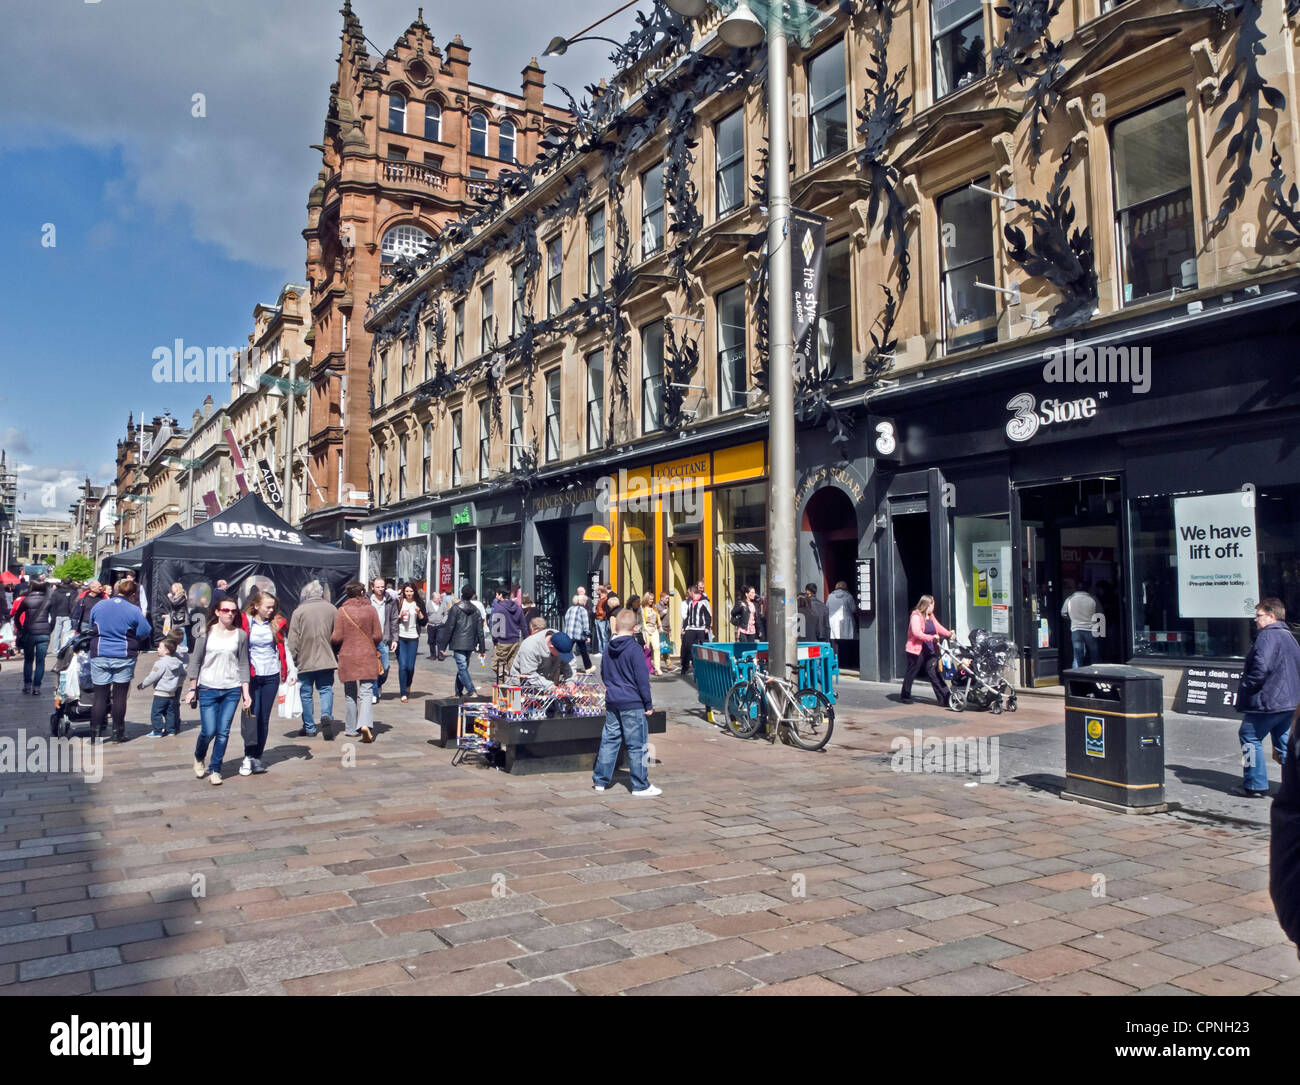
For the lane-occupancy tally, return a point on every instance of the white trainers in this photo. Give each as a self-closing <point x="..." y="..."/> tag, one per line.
<point x="246" y="767"/>
<point x="200" y="770"/>
<point x="649" y="793"/>
<point x="597" y="787"/>
<point x="374" y="699"/>
<point x="215" y="779"/>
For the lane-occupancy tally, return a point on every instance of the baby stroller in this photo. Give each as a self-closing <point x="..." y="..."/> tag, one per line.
<point x="74" y="693"/>
<point x="976" y="675"/>
<point x="8" y="641"/>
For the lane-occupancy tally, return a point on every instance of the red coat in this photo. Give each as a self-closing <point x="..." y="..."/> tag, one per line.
<point x="356" y="636"/>
<point x="917" y="637"/>
<point x="279" y="626"/>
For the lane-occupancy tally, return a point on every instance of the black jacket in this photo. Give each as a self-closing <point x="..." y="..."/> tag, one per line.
<point x="463" y="629"/>
<point x="62" y="600"/>
<point x="1284" y="845"/>
<point x="34" y="615"/>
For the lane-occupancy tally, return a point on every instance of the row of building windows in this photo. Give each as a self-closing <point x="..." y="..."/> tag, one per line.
<point x="507" y="131"/>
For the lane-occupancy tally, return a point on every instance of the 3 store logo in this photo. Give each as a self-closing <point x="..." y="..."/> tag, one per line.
<point x="1027" y="417"/>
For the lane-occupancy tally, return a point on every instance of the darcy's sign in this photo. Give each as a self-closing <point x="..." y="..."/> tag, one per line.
<point x="224" y="530"/>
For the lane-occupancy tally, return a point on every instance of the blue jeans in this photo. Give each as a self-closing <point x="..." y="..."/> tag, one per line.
<point x="602" y="635"/>
<point x="62" y="627"/>
<point x="163" y="709"/>
<point x="1086" y="649"/>
<point x="34" y="649"/>
<point x="408" y="649"/>
<point x="1254" y="726"/>
<point x="322" y="681"/>
<point x="630" y="726"/>
<point x="463" y="681"/>
<point x="216" y="710"/>
<point x="105" y="671"/>
<point x="383" y="662"/>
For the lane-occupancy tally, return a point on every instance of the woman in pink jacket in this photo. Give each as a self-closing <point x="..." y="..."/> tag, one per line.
<point x="923" y="633"/>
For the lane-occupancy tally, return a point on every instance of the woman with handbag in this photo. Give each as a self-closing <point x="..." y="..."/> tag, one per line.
<point x="923" y="633"/>
<point x="411" y="618"/>
<point x="269" y="663"/>
<point x="218" y="676"/>
<point x="356" y="636"/>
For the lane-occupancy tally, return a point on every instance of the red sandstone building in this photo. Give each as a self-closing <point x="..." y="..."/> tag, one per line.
<point x="408" y="141"/>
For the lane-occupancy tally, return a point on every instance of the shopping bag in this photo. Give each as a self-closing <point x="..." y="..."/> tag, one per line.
<point x="288" y="702"/>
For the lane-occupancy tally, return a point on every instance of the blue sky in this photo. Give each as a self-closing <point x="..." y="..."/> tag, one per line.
<point x="168" y="225"/>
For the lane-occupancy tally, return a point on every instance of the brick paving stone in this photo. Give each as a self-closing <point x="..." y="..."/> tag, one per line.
<point x="1041" y="964"/>
<point x="47" y="929"/>
<point x="76" y="983"/>
<point x="347" y="981"/>
<point x="796" y="937"/>
<point x="583" y="909"/>
<point x="1206" y="949"/>
<point x="711" y="981"/>
<point x="221" y="982"/>
<point x="1113" y="944"/>
<point x="781" y="967"/>
<point x="1222" y="979"/>
<point x="1078" y="983"/>
<point x="459" y="958"/>
<point x="63" y="963"/>
<point x="943" y="907"/>
<point x="1258" y="932"/>
<point x="391" y="947"/>
<point x="723" y="951"/>
<point x="896" y="896"/>
<point x="612" y="978"/>
<point x="117" y="936"/>
<point x="568" y="934"/>
<point x="1276" y="962"/>
<point x="1168" y="928"/>
<point x="483" y="929"/>
<point x="977" y="979"/>
<point x="659" y="940"/>
<point x="872" y="947"/>
<point x="886" y="972"/>
<point x="1144" y="969"/>
<point x="1040" y="933"/>
<point x="868" y="922"/>
<point x="570" y="958"/>
<point x="27" y="951"/>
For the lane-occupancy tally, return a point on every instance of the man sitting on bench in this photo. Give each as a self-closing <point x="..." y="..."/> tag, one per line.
<point x="543" y="659"/>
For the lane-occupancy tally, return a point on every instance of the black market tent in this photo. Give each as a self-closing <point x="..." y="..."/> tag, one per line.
<point x="135" y="558"/>
<point x="246" y="540"/>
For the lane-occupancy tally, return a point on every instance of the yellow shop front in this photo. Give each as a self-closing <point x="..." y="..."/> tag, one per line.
<point x="701" y="517"/>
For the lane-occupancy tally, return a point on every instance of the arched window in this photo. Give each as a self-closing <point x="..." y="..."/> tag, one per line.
<point x="404" y="241"/>
<point x="478" y="126"/>
<point x="397" y="113"/>
<point x="432" y="120"/>
<point x="506" y="141"/>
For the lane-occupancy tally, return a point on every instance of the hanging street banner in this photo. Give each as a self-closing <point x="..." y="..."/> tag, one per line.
<point x="238" y="461"/>
<point x="270" y="484"/>
<point x="1218" y="562"/>
<point x="808" y="258"/>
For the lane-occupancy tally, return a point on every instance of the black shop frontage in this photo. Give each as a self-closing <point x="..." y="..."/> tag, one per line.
<point x="560" y="550"/>
<point x="1156" y="468"/>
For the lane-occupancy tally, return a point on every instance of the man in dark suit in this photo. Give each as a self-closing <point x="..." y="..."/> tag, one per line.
<point x="818" y="626"/>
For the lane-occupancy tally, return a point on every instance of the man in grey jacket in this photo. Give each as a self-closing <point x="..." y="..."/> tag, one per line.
<point x="1268" y="694"/>
<point x="309" y="644"/>
<point x="386" y="609"/>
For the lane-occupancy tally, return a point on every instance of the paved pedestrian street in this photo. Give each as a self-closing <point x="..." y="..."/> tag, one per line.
<point x="383" y="869"/>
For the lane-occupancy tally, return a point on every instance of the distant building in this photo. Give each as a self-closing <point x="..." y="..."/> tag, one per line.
<point x="43" y="538"/>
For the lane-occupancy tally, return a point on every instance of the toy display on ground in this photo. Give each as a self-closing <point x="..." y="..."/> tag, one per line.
<point x="479" y="730"/>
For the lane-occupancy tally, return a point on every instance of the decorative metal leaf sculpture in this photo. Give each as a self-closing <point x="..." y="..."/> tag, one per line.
<point x="1028" y="52"/>
<point x="1283" y="201"/>
<point x="882" y="116"/>
<point x="681" y="360"/>
<point x="1064" y="259"/>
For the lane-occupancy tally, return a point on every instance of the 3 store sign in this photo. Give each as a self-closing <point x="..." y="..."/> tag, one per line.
<point x="1028" y="417"/>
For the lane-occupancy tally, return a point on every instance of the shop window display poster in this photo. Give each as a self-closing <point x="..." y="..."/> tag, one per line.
<point x="1217" y="559"/>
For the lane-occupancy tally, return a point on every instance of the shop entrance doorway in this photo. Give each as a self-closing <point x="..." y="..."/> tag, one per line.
<point x="830" y="534"/>
<point x="1069" y="539"/>
<point x="684" y="570"/>
<point x="910" y="557"/>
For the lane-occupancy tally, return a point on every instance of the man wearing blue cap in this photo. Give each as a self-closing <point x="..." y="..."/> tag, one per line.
<point x="543" y="658"/>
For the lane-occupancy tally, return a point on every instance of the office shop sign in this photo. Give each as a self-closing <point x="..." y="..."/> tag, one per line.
<point x="394" y="529"/>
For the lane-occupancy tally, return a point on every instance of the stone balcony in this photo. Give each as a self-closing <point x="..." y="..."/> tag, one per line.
<point x="415" y="175"/>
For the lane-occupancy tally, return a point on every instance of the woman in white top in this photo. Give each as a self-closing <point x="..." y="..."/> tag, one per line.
<point x="410" y="620"/>
<point x="218" y="676"/>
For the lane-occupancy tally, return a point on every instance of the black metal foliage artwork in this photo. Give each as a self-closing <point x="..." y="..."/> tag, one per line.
<point x="883" y="346"/>
<point x="1028" y="52"/>
<point x="1283" y="201"/>
<point x="681" y="359"/>
<point x="1251" y="88"/>
<point x="882" y="115"/>
<point x="1064" y="258"/>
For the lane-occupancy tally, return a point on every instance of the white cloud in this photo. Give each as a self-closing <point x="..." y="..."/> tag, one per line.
<point x="128" y="70"/>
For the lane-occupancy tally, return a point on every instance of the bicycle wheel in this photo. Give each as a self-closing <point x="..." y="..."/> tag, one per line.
<point x="813" y="720"/>
<point x="744" y="709"/>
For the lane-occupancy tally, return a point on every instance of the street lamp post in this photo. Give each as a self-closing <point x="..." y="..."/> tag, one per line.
<point x="188" y="467"/>
<point x="290" y="389"/>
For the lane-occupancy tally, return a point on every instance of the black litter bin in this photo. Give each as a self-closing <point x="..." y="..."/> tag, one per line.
<point x="1115" y="738"/>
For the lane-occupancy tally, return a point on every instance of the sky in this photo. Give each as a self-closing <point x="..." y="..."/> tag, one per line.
<point x="135" y="214"/>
